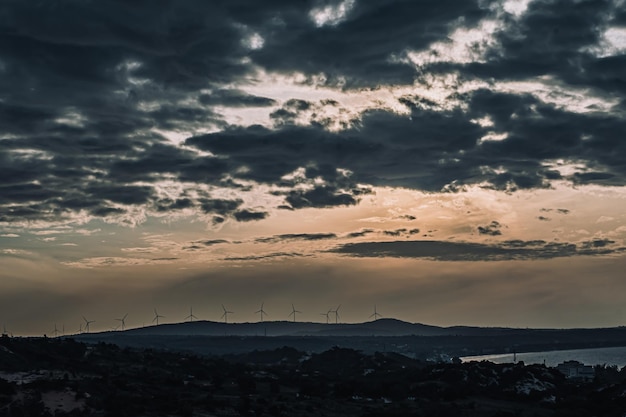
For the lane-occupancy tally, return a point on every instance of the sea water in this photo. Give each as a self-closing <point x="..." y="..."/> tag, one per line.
<point x="600" y="356"/>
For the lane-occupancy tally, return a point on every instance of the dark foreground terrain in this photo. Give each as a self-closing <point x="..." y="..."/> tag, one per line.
<point x="63" y="377"/>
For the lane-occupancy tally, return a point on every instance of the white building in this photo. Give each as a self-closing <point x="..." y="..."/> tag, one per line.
<point x="576" y="370"/>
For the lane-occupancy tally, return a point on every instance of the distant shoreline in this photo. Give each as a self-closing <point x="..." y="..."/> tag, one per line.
<point x="613" y="355"/>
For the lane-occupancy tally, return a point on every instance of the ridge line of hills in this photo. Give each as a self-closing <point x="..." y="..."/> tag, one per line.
<point x="380" y="327"/>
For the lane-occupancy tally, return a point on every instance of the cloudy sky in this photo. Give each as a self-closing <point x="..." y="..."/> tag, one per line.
<point x="450" y="161"/>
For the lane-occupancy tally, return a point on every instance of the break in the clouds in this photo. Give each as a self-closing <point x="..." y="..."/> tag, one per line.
<point x="97" y="100"/>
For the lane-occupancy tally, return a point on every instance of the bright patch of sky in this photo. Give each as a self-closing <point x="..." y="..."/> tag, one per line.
<point x="464" y="45"/>
<point x="254" y="41"/>
<point x="332" y="14"/>
<point x="516" y="7"/>
<point x="613" y="43"/>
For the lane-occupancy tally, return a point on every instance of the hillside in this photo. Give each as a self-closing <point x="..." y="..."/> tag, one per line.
<point x="61" y="377"/>
<point x="387" y="335"/>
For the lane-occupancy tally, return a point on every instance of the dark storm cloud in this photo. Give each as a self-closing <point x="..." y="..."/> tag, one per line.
<point x="555" y="38"/>
<point x="86" y="84"/>
<point x="248" y="216"/>
<point x="73" y="76"/>
<point x="384" y="149"/>
<point x="320" y="197"/>
<point x="220" y="206"/>
<point x="463" y="251"/>
<point x="432" y="150"/>
<point x="537" y="131"/>
<point x="357" y="51"/>
<point x="166" y="205"/>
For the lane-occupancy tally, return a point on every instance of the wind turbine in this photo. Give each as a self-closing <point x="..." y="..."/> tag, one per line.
<point x="55" y="332"/>
<point x="87" y="323"/>
<point x="226" y="313"/>
<point x="191" y="316"/>
<point x="293" y="312"/>
<point x="375" y="314"/>
<point x="326" y="314"/>
<point x="261" y="312"/>
<point x="336" y="311"/>
<point x="4" y="330"/>
<point x="156" y="317"/>
<point x="123" y="321"/>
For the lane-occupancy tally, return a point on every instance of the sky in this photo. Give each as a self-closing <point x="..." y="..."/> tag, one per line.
<point x="451" y="162"/>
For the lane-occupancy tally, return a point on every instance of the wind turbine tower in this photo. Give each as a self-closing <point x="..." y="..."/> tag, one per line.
<point x="336" y="311"/>
<point x="87" y="323"/>
<point x="294" y="312"/>
<point x="226" y="313"/>
<point x="261" y="312"/>
<point x="123" y="321"/>
<point x="55" y="332"/>
<point x="326" y="314"/>
<point x="375" y="314"/>
<point x="157" y="316"/>
<point x="190" y="317"/>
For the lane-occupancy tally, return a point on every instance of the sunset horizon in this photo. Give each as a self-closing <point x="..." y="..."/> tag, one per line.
<point x="450" y="162"/>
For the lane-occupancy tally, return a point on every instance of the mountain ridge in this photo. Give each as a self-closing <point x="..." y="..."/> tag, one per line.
<point x="380" y="327"/>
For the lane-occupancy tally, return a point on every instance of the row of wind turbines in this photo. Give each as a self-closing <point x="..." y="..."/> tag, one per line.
<point x="85" y="325"/>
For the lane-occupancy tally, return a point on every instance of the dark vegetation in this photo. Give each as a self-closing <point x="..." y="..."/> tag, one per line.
<point x="383" y="335"/>
<point x="63" y="377"/>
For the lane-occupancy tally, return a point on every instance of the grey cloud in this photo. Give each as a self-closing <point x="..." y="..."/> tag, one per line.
<point x="361" y="233"/>
<point x="423" y="150"/>
<point x="166" y="205"/>
<point x="229" y="208"/>
<point x="248" y="216"/>
<point x="558" y="211"/>
<point x="522" y="243"/>
<point x="130" y="195"/>
<point x="396" y="232"/>
<point x="235" y="98"/>
<point x="597" y="243"/>
<point x="537" y="131"/>
<point x="492" y="229"/>
<point x="220" y="206"/>
<point x="296" y="236"/>
<point x="463" y="251"/>
<point x="202" y="244"/>
<point x="320" y="197"/>
<point x="213" y="242"/>
<point x="358" y="50"/>
<point x="266" y="256"/>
